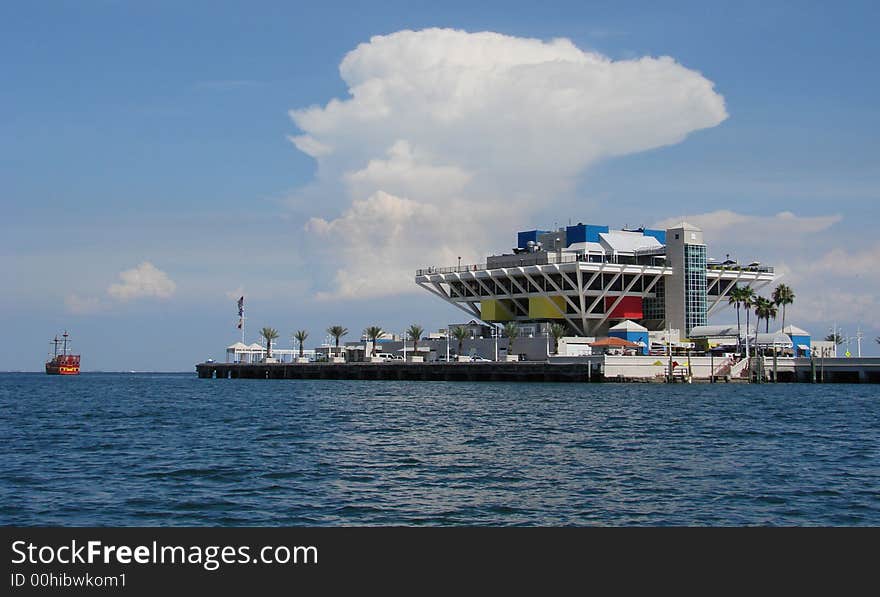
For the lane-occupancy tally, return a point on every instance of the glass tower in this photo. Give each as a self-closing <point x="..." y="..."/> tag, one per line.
<point x="694" y="287"/>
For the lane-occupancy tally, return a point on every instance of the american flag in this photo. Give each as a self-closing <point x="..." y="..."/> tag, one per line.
<point x="240" y="312"/>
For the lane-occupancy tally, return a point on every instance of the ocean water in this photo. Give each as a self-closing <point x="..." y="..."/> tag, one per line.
<point x="171" y="449"/>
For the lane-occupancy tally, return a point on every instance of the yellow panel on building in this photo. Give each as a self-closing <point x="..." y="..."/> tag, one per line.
<point x="495" y="310"/>
<point x="541" y="307"/>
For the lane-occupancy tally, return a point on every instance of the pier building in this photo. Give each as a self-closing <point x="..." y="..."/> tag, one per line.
<point x="590" y="278"/>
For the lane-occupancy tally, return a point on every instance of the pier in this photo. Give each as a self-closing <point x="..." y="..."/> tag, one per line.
<point x="580" y="370"/>
<point x="837" y="370"/>
<point x="500" y="371"/>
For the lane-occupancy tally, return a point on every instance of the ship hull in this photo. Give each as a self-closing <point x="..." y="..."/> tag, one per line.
<point x="67" y="364"/>
<point x="61" y="370"/>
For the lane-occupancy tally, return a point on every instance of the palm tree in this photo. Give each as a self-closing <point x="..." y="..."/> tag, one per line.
<point x="764" y="309"/>
<point x="337" y="331"/>
<point x="768" y="311"/>
<point x="735" y="298"/>
<point x="511" y="330"/>
<point x="557" y="331"/>
<point x="748" y="300"/>
<point x="415" y="332"/>
<point x="300" y="336"/>
<point x="877" y="339"/>
<point x="758" y="310"/>
<point x="269" y="334"/>
<point x="835" y="337"/>
<point x="372" y="334"/>
<point x="460" y="333"/>
<point x="782" y="296"/>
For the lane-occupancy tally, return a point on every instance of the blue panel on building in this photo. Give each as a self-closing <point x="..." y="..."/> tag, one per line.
<point x="660" y="235"/>
<point x="797" y="341"/>
<point x="576" y="234"/>
<point x="529" y="235"/>
<point x="583" y="233"/>
<point x="592" y="233"/>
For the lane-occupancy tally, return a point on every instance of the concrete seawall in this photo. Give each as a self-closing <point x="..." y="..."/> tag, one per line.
<point x="574" y="369"/>
<point x="521" y="371"/>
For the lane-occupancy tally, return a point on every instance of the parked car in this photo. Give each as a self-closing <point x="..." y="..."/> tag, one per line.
<point x="479" y="359"/>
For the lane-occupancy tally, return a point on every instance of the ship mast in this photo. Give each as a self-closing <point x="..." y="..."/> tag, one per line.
<point x="64" y="335"/>
<point x="56" y="342"/>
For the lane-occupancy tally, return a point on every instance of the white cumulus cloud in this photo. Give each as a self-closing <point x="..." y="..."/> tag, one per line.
<point x="472" y="135"/>
<point x="756" y="234"/>
<point x="145" y="280"/>
<point x="383" y="235"/>
<point x="841" y="284"/>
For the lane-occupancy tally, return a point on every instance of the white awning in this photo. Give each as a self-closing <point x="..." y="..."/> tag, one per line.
<point x="771" y="339"/>
<point x="627" y="242"/>
<point x="714" y="331"/>
<point x="792" y="330"/>
<point x="585" y="247"/>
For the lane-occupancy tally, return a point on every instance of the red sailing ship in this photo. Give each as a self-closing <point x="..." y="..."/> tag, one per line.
<point x="63" y="363"/>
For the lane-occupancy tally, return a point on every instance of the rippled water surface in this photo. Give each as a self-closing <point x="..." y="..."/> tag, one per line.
<point x="117" y="449"/>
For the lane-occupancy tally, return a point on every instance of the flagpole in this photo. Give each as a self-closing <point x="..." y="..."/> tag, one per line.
<point x="241" y="317"/>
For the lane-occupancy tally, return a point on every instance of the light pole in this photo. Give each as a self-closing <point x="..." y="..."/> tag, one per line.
<point x="404" y="347"/>
<point x="447" y="343"/>
<point x="859" y="336"/>
<point x="459" y="264"/>
<point x="669" y="377"/>
<point x="748" y="354"/>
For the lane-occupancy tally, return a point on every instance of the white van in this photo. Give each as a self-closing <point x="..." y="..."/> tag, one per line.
<point x="387" y="357"/>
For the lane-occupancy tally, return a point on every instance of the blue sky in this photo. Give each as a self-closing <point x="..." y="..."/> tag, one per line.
<point x="158" y="132"/>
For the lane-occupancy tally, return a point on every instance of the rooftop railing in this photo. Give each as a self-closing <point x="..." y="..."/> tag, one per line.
<point x="740" y="268"/>
<point x="551" y="257"/>
<point x="451" y="270"/>
<point x="528" y="259"/>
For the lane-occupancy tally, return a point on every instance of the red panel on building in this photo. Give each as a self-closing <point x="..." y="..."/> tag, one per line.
<point x="630" y="307"/>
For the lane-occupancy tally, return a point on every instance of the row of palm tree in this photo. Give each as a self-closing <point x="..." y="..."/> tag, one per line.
<point x="415" y="332"/>
<point x="372" y="333"/>
<point x="764" y="308"/>
<point x="270" y="334"/>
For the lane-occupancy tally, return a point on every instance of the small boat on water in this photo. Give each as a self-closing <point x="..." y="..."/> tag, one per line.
<point x="62" y="362"/>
